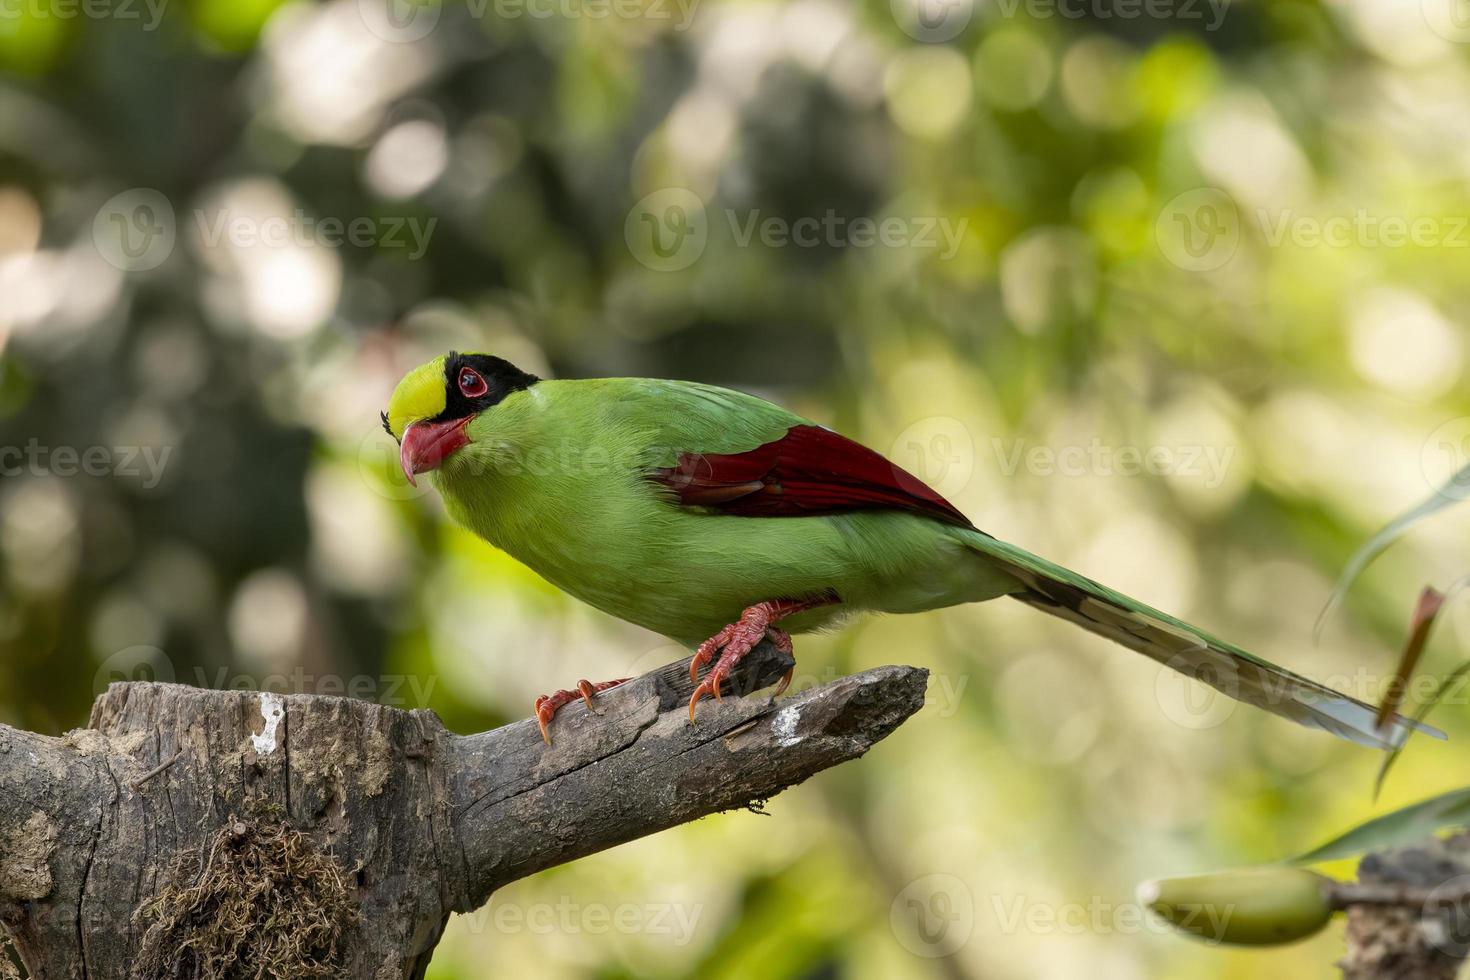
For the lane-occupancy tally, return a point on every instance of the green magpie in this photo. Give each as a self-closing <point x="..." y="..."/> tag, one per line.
<point x="711" y="516"/>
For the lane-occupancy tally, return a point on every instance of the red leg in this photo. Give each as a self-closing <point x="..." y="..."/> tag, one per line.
<point x="740" y="637"/>
<point x="547" y="705"/>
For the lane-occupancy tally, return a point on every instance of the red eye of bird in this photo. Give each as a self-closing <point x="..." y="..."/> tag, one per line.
<point x="471" y="384"/>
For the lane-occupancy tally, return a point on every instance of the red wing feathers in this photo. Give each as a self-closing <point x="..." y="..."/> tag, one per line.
<point x="808" y="472"/>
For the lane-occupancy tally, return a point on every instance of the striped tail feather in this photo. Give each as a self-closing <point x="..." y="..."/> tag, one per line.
<point x="1193" y="652"/>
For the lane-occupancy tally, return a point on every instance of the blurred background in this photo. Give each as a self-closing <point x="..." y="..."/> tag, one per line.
<point x="1172" y="292"/>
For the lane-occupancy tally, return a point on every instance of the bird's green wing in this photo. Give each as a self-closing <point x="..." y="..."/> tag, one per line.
<point x="677" y="417"/>
<point x="741" y="455"/>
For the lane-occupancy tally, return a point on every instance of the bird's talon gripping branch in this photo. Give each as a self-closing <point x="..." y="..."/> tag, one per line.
<point x="738" y="639"/>
<point x="547" y="705"/>
<point x="709" y="648"/>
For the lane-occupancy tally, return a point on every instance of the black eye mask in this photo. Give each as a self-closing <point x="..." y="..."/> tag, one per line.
<point x="501" y="378"/>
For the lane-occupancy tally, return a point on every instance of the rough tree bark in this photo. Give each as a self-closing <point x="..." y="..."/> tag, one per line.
<point x="177" y="833"/>
<point x="1419" y="928"/>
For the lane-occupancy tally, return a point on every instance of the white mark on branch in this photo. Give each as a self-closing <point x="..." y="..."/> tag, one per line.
<point x="272" y="709"/>
<point x="783" y="726"/>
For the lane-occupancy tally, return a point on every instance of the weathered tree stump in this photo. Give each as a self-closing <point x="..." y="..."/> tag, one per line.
<point x="192" y="832"/>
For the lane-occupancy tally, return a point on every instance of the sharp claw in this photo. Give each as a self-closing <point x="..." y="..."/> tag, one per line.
<point x="547" y="705"/>
<point x="694" y="699"/>
<point x="785" y="682"/>
<point x="585" y="688"/>
<point x="716" y="678"/>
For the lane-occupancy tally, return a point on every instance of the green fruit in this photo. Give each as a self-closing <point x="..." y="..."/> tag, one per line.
<point x="1249" y="907"/>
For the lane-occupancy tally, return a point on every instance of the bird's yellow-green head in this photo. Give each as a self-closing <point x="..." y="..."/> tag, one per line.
<point x="435" y="402"/>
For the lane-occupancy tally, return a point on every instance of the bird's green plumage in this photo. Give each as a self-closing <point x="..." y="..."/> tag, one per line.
<point x="557" y="474"/>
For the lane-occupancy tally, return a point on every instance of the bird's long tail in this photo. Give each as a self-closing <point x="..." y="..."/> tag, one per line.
<point x="1193" y="652"/>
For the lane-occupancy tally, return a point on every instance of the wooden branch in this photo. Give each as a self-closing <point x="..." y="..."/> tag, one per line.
<point x="641" y="767"/>
<point x="126" y="842"/>
<point x="1408" y="915"/>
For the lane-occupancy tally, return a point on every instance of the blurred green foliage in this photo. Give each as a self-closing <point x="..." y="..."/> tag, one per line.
<point x="1178" y="345"/>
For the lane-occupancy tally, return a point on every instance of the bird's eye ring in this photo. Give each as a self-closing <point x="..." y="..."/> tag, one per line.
<point x="471" y="384"/>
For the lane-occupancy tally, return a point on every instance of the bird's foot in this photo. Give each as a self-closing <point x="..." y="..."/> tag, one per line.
<point x="547" y="705"/>
<point x="738" y="639"/>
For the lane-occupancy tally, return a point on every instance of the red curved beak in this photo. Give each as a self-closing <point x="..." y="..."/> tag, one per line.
<point x="426" y="445"/>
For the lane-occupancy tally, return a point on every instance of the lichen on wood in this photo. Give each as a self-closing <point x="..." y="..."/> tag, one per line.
<point x="25" y="859"/>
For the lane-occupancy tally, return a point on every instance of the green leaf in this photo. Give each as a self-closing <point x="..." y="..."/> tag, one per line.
<point x="1431" y="604"/>
<point x="1454" y="490"/>
<point x="1412" y="824"/>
